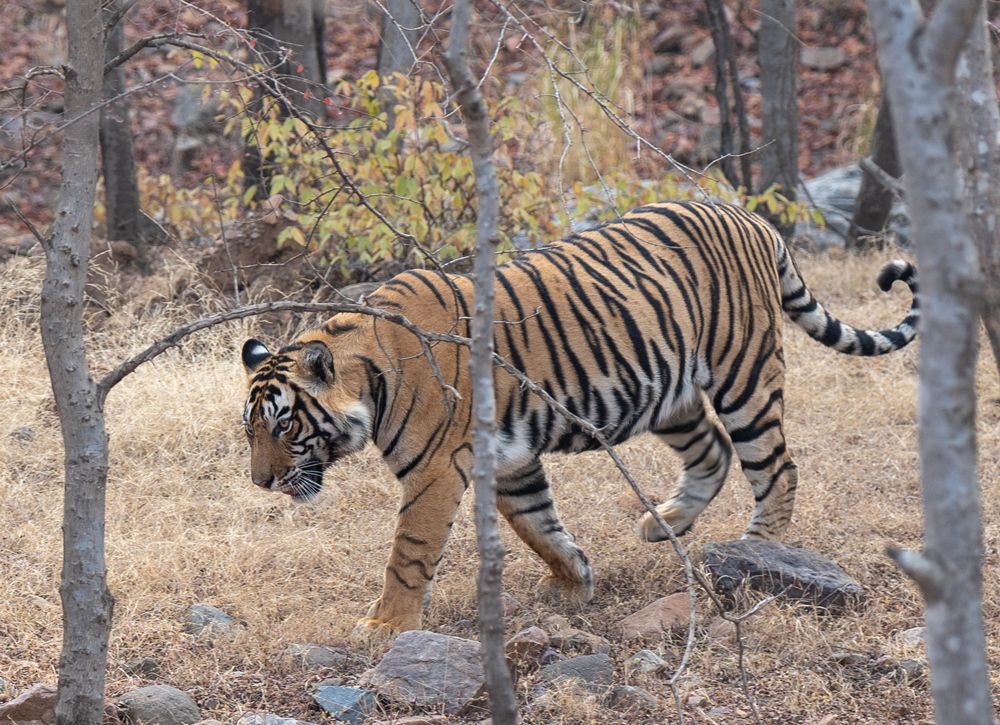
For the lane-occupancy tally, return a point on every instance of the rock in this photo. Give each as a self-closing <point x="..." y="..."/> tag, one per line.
<point x="912" y="670"/>
<point x="142" y="666"/>
<point x="24" y="434"/>
<point x="834" y="194"/>
<point x="35" y="705"/>
<point x="659" y="65"/>
<point x="266" y="718"/>
<point x="643" y="662"/>
<point x="158" y="705"/>
<point x="722" y="630"/>
<point x="592" y="672"/>
<point x="666" y="614"/>
<point x="848" y="659"/>
<point x="556" y="623"/>
<point x="669" y="39"/>
<point x="510" y="605"/>
<point x="788" y="571"/>
<point x="351" y="705"/>
<point x="211" y="722"/>
<point x="626" y="698"/>
<point x="913" y="638"/>
<point x="819" y="58"/>
<point x="429" y="670"/>
<point x="697" y="699"/>
<point x="527" y="646"/>
<point x="416" y="720"/>
<point x="204" y="620"/>
<point x="703" y="52"/>
<point x="577" y="640"/>
<point x="318" y="655"/>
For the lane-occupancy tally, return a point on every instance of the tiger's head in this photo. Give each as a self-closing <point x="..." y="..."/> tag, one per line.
<point x="301" y="415"/>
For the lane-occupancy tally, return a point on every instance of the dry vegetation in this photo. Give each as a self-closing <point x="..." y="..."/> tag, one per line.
<point x="185" y="525"/>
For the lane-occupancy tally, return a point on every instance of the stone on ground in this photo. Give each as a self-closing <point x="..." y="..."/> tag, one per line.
<point x="266" y="718"/>
<point x="428" y="669"/>
<point x="35" y="705"/>
<point x="415" y="720"/>
<point x="205" y="620"/>
<point x="669" y="614"/>
<point x="158" y="705"/>
<point x="318" y="655"/>
<point x="643" y="662"/>
<point x="566" y="637"/>
<point x="351" y="705"/>
<point x="592" y="672"/>
<point x="627" y="698"/>
<point x="142" y="666"/>
<point x="788" y="571"/>
<point x="527" y="646"/>
<point x="913" y="638"/>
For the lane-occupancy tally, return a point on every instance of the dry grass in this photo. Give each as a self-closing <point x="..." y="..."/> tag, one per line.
<point x="185" y="526"/>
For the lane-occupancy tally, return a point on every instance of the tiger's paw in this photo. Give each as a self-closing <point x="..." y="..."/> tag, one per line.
<point x="376" y="629"/>
<point x="674" y="514"/>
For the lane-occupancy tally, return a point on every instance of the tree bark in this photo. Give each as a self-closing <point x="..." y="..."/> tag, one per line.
<point x="503" y="705"/>
<point x="287" y="34"/>
<point x="980" y="158"/>
<point x="86" y="601"/>
<point x="727" y="82"/>
<point x="918" y="60"/>
<point x="874" y="203"/>
<point x="121" y="186"/>
<point x="777" y="55"/>
<point x="399" y="37"/>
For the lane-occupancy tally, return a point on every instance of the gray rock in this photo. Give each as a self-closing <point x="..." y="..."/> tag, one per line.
<point x="351" y="705"/>
<point x="266" y="718"/>
<point x="159" y="705"/>
<point x="527" y="646"/>
<point x="834" y="194"/>
<point x="849" y="659"/>
<point x="429" y="670"/>
<point x="820" y="58"/>
<point x="318" y="655"/>
<point x="141" y="666"/>
<point x="912" y="670"/>
<point x="774" y="568"/>
<point x="643" y="662"/>
<point x="24" y="434"/>
<point x="204" y="620"/>
<point x="913" y="638"/>
<point x="592" y="672"/>
<point x="192" y="113"/>
<point x="576" y="640"/>
<point x="626" y="698"/>
<point x="35" y="705"/>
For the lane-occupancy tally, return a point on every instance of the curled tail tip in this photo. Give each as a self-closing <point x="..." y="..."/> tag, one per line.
<point x="897" y="271"/>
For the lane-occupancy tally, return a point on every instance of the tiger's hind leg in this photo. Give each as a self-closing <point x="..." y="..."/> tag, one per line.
<point x="754" y="422"/>
<point x="704" y="448"/>
<point x="526" y="502"/>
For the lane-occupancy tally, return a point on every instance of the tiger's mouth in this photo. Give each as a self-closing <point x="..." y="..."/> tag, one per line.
<point x="304" y="482"/>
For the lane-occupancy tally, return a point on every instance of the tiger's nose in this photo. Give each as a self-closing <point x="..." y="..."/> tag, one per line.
<point x="264" y="481"/>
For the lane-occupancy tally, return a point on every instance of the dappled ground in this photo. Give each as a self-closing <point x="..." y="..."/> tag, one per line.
<point x="185" y="525"/>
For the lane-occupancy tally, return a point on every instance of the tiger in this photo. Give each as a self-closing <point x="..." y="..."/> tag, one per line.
<point x="644" y="324"/>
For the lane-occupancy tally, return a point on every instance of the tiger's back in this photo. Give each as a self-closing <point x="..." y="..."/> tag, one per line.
<point x="639" y="325"/>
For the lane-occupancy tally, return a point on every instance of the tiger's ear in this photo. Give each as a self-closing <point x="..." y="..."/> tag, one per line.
<point x="254" y="353"/>
<point x="317" y="362"/>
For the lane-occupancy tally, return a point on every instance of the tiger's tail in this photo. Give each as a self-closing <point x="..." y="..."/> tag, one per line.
<point x="806" y="311"/>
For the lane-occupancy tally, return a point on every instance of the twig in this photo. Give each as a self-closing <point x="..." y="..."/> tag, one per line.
<point x="27" y="222"/>
<point x="879" y="174"/>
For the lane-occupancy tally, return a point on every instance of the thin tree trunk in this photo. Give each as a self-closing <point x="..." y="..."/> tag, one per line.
<point x="86" y="601"/>
<point x="503" y="705"/>
<point x="287" y="34"/>
<point x="121" y="186"/>
<point x="980" y="158"/>
<point x="918" y="60"/>
<point x="777" y="55"/>
<point x="727" y="82"/>
<point x="874" y="203"/>
<point x="396" y="50"/>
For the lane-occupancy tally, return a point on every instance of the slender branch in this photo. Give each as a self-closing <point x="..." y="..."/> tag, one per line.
<point x="879" y="174"/>
<point x="27" y="222"/>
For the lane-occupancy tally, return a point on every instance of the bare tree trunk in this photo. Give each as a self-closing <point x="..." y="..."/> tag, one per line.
<point x="503" y="705"/>
<point x="399" y="37"/>
<point x="874" y="203"/>
<point x="727" y="82"/>
<point x="121" y="186"/>
<point x="980" y="158"/>
<point x="777" y="55"/>
<point x="86" y="601"/>
<point x="918" y="60"/>
<point x="287" y="34"/>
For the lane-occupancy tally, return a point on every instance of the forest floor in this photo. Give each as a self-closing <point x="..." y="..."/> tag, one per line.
<point x="185" y="525"/>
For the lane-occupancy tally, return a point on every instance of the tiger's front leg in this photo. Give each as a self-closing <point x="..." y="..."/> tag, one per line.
<point x="429" y="504"/>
